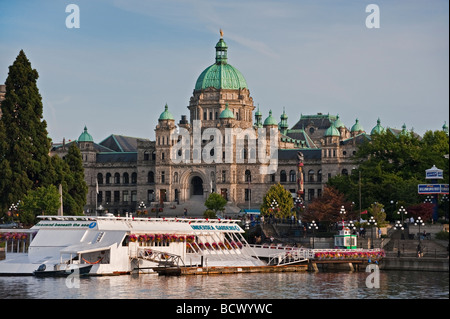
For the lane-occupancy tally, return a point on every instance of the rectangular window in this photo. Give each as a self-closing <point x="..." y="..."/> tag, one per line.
<point x="125" y="196"/>
<point x="100" y="197"/>
<point x="310" y="194"/>
<point x="108" y="196"/>
<point x="150" y="195"/>
<point x="224" y="176"/>
<point x="116" y="196"/>
<point x="134" y="196"/>
<point x="248" y="194"/>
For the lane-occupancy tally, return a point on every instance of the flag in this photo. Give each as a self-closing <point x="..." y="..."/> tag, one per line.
<point x="96" y="186"/>
<point x="364" y="212"/>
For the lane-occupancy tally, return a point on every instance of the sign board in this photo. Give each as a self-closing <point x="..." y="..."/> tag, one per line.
<point x="433" y="188"/>
<point x="434" y="173"/>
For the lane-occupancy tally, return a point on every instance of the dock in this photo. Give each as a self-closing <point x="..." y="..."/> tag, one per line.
<point x="186" y="271"/>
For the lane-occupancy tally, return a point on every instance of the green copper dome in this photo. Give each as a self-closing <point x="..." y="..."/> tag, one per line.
<point x="166" y="115"/>
<point x="338" y="123"/>
<point x="270" y="120"/>
<point x="332" y="131"/>
<point x="378" y="129"/>
<point x="85" y="136"/>
<point x="221" y="75"/>
<point x="357" y="127"/>
<point x="227" y="113"/>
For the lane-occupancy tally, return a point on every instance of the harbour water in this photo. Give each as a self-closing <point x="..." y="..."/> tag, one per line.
<point x="303" y="285"/>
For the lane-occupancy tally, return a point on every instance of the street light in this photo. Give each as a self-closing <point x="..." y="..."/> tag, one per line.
<point x="274" y="205"/>
<point x="419" y="222"/>
<point x="298" y="206"/>
<point x="142" y="206"/>
<point x="402" y="212"/>
<point x="398" y="225"/>
<point x="342" y="212"/>
<point x="372" y="222"/>
<point x="313" y="226"/>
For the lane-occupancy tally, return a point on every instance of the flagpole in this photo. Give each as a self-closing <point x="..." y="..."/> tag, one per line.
<point x="96" y="196"/>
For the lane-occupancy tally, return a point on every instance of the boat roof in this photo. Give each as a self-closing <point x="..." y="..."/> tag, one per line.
<point x="137" y="225"/>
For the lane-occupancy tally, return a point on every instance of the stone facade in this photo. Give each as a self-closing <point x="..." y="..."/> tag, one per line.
<point x="124" y="172"/>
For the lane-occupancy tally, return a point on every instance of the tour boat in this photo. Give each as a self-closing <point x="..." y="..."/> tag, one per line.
<point x="120" y="245"/>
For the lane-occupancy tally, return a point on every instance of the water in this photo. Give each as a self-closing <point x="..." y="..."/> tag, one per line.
<point x="302" y="285"/>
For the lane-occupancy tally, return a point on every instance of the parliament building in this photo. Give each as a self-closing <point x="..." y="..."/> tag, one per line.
<point x="125" y="173"/>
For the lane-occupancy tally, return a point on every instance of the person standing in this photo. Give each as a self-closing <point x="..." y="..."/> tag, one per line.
<point x="185" y="212"/>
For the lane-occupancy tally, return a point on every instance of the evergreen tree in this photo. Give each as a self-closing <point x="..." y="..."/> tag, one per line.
<point x="283" y="199"/>
<point x="215" y="202"/>
<point x="25" y="163"/>
<point x="77" y="189"/>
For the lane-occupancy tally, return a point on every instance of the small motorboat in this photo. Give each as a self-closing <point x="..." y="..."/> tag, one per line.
<point x="80" y="270"/>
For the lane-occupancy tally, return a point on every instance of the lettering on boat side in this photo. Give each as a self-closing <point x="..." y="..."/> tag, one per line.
<point x="67" y="225"/>
<point x="218" y="227"/>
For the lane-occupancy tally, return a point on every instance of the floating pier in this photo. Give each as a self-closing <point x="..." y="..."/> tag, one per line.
<point x="185" y="271"/>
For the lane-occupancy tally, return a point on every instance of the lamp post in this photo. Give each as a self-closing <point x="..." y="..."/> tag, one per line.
<point x="398" y="226"/>
<point x="313" y="226"/>
<point x="142" y="207"/>
<point x="419" y="222"/>
<point x="402" y="211"/>
<point x="298" y="206"/>
<point x="342" y="213"/>
<point x="274" y="205"/>
<point x="372" y="222"/>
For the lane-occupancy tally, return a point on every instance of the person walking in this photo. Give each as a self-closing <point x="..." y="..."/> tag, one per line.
<point x="185" y="212"/>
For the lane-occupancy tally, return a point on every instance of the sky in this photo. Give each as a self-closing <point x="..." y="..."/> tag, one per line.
<point x="128" y="58"/>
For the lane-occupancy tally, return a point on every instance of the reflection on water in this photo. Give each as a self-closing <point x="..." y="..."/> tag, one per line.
<point x="328" y="285"/>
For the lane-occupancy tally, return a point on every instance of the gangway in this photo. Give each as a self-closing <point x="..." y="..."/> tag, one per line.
<point x="290" y="257"/>
<point x="162" y="258"/>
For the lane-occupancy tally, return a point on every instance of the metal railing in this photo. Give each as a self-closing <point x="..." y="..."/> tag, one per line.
<point x="162" y="258"/>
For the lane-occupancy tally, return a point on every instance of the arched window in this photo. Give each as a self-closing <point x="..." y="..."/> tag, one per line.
<point x="126" y="178"/>
<point x="292" y="176"/>
<point x="116" y="178"/>
<point x="133" y="178"/>
<point x="283" y="177"/>
<point x="248" y="176"/>
<point x="345" y="172"/>
<point x="150" y="177"/>
<point x="319" y="175"/>
<point x="311" y="175"/>
<point x="108" y="178"/>
<point x="100" y="178"/>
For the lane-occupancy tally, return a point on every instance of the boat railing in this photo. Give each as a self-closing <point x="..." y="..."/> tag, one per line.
<point x="129" y="218"/>
<point x="162" y="258"/>
<point x="16" y="240"/>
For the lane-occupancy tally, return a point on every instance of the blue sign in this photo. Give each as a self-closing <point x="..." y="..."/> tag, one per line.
<point x="433" y="188"/>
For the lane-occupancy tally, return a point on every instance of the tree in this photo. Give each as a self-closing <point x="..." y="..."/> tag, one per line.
<point x="76" y="187"/>
<point x="377" y="211"/>
<point x="41" y="201"/>
<point x="215" y="202"/>
<point x="326" y="208"/>
<point x="424" y="210"/>
<point x="25" y="163"/>
<point x="283" y="199"/>
<point x="391" y="166"/>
